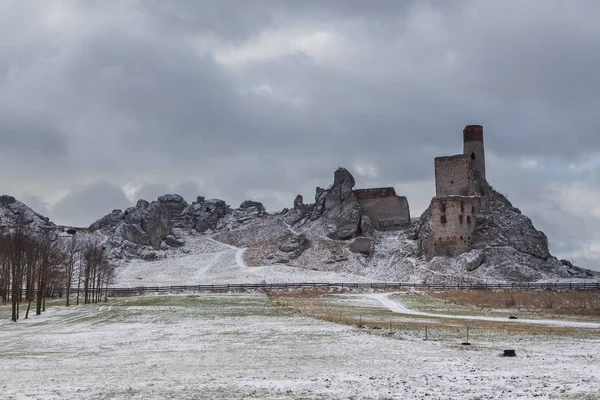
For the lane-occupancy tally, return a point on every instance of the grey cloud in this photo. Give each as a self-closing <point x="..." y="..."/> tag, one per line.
<point x="96" y="199"/>
<point x="131" y="99"/>
<point x="30" y="137"/>
<point x="151" y="191"/>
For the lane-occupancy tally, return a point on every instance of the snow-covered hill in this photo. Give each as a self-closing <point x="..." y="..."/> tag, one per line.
<point x="172" y="242"/>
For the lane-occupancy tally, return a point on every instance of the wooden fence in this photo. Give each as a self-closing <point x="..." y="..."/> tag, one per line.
<point x="116" y="291"/>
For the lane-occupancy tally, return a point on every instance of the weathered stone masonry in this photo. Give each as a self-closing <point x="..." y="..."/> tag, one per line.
<point x="459" y="181"/>
<point x="386" y="210"/>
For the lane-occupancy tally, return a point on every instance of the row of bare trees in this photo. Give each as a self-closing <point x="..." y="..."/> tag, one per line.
<point x="40" y="264"/>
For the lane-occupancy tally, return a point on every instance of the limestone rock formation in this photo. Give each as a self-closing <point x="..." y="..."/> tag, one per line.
<point x="338" y="207"/>
<point x="249" y="210"/>
<point x="175" y="205"/>
<point x="13" y="211"/>
<point x="203" y="215"/>
<point x="362" y="245"/>
<point x="145" y="224"/>
<point x="500" y="224"/>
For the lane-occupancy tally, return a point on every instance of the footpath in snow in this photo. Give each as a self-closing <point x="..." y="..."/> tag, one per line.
<point x="395" y="306"/>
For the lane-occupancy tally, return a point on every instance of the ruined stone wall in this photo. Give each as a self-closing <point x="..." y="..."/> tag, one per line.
<point x="453" y="224"/>
<point x="386" y="213"/>
<point x="453" y="176"/>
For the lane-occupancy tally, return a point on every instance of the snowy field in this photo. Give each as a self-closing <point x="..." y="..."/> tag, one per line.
<point x="207" y="261"/>
<point x="235" y="346"/>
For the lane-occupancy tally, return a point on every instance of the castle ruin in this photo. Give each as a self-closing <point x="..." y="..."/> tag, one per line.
<point x="386" y="210"/>
<point x="460" y="184"/>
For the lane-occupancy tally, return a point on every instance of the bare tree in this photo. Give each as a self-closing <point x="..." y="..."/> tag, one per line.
<point x="71" y="260"/>
<point x="50" y="258"/>
<point x="97" y="271"/>
<point x="17" y="244"/>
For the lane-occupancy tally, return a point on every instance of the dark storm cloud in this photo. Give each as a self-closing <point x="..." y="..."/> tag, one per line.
<point x="265" y="99"/>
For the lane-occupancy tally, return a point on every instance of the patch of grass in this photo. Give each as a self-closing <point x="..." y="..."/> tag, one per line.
<point x="570" y="304"/>
<point x="375" y="319"/>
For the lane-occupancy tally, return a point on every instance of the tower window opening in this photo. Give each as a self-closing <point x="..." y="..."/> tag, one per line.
<point x="462" y="207"/>
<point x="443" y="207"/>
<point x="460" y="219"/>
<point x="473" y="156"/>
<point x="472" y="210"/>
<point x="443" y="219"/>
<point x="469" y="220"/>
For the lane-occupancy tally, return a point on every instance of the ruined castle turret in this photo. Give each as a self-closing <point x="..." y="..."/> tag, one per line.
<point x="473" y="147"/>
<point x="458" y="183"/>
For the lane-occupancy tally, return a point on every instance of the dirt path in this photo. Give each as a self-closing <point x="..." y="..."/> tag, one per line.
<point x="397" y="307"/>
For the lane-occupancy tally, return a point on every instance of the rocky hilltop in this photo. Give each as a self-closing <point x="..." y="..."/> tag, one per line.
<point x="331" y="234"/>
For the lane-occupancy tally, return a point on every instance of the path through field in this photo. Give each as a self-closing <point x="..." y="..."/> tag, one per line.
<point x="396" y="306"/>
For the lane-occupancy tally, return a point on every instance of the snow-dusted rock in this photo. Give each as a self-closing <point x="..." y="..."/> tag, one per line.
<point x="337" y="209"/>
<point x="362" y="245"/>
<point x="13" y="211"/>
<point x="175" y="205"/>
<point x="145" y="224"/>
<point x="203" y="215"/>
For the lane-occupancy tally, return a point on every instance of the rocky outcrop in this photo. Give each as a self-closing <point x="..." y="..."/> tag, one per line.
<point x="248" y="211"/>
<point x="499" y="224"/>
<point x="146" y="224"/>
<point x="203" y="215"/>
<point x="14" y="212"/>
<point x="338" y="208"/>
<point x="362" y="245"/>
<point x="175" y="205"/>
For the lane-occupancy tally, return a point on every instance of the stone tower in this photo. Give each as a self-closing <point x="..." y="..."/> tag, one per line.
<point x="473" y="147"/>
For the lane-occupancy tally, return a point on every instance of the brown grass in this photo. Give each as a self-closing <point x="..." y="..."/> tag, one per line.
<point x="318" y="304"/>
<point x="548" y="302"/>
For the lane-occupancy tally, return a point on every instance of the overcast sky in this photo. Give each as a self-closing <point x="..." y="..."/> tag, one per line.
<point x="105" y="102"/>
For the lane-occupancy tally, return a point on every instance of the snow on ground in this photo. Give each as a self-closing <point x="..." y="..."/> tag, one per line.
<point x="398" y="307"/>
<point x="239" y="346"/>
<point x="210" y="262"/>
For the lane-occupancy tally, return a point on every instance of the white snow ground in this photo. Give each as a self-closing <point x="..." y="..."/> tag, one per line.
<point x="210" y="262"/>
<point x="238" y="346"/>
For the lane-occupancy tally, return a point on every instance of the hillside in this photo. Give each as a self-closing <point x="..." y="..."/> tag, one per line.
<point x="169" y="241"/>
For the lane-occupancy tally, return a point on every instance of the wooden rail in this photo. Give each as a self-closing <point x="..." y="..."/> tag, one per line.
<point x="225" y="287"/>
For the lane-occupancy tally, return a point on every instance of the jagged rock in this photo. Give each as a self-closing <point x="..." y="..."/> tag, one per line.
<point x="295" y="243"/>
<point x="141" y="203"/>
<point x="567" y="263"/>
<point x="249" y="210"/>
<point x="175" y="205"/>
<point x="5" y="199"/>
<point x="338" y="207"/>
<point x="108" y="221"/>
<point x="499" y="224"/>
<point x="473" y="260"/>
<point x="206" y="214"/>
<point x="145" y="224"/>
<point x="362" y="245"/>
<point x="173" y="241"/>
<point x="366" y="226"/>
<point x="299" y="213"/>
<point x="422" y="232"/>
<point x="12" y="211"/>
